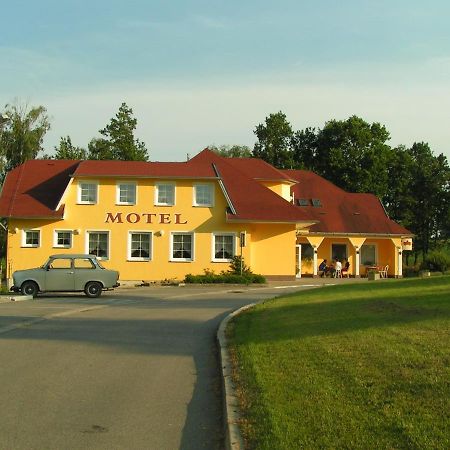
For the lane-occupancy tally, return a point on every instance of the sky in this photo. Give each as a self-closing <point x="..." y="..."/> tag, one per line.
<point x="199" y="73"/>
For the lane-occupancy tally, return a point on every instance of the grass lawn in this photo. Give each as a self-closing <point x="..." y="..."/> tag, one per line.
<point x="362" y="366"/>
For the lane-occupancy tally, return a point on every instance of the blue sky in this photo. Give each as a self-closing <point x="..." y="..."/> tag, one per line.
<point x="206" y="72"/>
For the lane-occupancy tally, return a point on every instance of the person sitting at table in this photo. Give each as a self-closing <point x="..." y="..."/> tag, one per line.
<point x="345" y="269"/>
<point x="323" y="268"/>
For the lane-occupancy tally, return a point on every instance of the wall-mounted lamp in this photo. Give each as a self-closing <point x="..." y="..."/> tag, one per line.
<point x="15" y="230"/>
<point x="76" y="231"/>
<point x="160" y="233"/>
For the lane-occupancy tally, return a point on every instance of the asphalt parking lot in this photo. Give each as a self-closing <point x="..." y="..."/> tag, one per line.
<point x="136" y="368"/>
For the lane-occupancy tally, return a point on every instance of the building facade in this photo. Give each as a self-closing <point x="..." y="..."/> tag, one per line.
<point x="156" y="221"/>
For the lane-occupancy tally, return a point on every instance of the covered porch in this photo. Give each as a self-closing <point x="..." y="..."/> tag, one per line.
<point x="382" y="254"/>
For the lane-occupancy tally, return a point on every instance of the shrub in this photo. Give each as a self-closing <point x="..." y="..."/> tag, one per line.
<point x="436" y="261"/>
<point x="233" y="276"/>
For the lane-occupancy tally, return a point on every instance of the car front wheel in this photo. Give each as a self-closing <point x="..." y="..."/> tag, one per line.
<point x="93" y="289"/>
<point x="29" y="288"/>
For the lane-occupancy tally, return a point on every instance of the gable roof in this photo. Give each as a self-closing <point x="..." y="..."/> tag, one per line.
<point x="341" y="211"/>
<point x="34" y="189"/>
<point x="250" y="200"/>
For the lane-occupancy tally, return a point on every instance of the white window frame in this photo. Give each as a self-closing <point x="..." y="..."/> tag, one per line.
<point x="213" y="246"/>
<point x="24" y="238"/>
<point x="55" y="239"/>
<point x="212" y="193"/>
<point x="192" y="258"/>
<point x="108" y="250"/>
<point x="86" y="202"/>
<point x="157" y="202"/>
<point x="150" y="252"/>
<point x="361" y="255"/>
<point x="118" y="188"/>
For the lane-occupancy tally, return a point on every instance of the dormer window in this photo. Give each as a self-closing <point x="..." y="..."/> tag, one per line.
<point x="303" y="202"/>
<point x="316" y="202"/>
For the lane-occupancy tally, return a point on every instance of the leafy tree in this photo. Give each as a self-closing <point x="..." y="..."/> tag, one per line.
<point x="22" y="135"/>
<point x="232" y="151"/>
<point x="119" y="142"/>
<point x="274" y="141"/>
<point x="354" y="155"/>
<point x="66" y="150"/>
<point x="304" y="149"/>
<point x="430" y="183"/>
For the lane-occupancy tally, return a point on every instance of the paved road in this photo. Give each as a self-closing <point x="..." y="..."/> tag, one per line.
<point x="135" y="369"/>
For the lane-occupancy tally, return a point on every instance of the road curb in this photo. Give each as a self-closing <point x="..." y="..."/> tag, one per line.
<point x="233" y="436"/>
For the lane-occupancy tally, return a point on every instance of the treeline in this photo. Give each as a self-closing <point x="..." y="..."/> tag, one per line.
<point x="412" y="183"/>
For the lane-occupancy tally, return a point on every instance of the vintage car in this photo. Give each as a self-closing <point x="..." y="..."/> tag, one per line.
<point x="66" y="273"/>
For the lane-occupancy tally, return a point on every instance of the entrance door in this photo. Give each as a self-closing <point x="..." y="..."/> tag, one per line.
<point x="298" y="261"/>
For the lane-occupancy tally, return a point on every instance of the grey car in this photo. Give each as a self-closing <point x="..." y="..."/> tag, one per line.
<point x="66" y="273"/>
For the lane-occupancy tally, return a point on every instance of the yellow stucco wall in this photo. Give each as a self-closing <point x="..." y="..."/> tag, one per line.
<point x="183" y="217"/>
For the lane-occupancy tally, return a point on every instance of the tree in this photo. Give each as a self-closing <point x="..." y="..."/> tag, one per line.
<point x="119" y="142"/>
<point x="352" y="154"/>
<point x="430" y="182"/>
<point x="67" y="150"/>
<point x="232" y="151"/>
<point x="274" y="141"/>
<point x="22" y="136"/>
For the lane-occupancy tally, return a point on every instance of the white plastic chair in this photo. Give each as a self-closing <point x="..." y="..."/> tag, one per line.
<point x="384" y="272"/>
<point x="338" y="273"/>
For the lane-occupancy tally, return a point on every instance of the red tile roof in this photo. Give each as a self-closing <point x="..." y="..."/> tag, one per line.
<point x="250" y="200"/>
<point x="189" y="169"/>
<point x="34" y="189"/>
<point x="342" y="212"/>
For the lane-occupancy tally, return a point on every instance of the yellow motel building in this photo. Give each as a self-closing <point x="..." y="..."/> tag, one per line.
<point x="154" y="221"/>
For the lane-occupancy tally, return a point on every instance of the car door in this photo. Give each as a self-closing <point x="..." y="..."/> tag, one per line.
<point x="60" y="275"/>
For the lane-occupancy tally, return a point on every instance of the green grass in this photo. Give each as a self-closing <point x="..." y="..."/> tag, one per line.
<point x="362" y="366"/>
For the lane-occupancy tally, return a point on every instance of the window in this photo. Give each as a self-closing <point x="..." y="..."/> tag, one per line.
<point x="368" y="255"/>
<point x="31" y="238"/>
<point x="223" y="247"/>
<point x="182" y="247"/>
<point x="165" y="194"/>
<point x="302" y="202"/>
<point x="316" y="202"/>
<point x="139" y="246"/>
<point x="61" y="263"/>
<point x="83" y="263"/>
<point x="87" y="193"/>
<point x="339" y="251"/>
<point x="126" y="193"/>
<point x="62" y="239"/>
<point x="307" y="252"/>
<point x="203" y="195"/>
<point x="98" y="244"/>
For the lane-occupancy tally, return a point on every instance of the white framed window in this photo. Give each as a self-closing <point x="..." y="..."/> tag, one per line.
<point x="165" y="194"/>
<point x="182" y="246"/>
<point x="62" y="238"/>
<point x="139" y="246"/>
<point x="88" y="192"/>
<point x="98" y="243"/>
<point x="223" y="246"/>
<point x="31" y="238"/>
<point x="203" y="194"/>
<point x="126" y="193"/>
<point x="368" y="255"/>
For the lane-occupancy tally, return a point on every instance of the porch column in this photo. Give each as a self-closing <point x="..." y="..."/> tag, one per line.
<point x="400" y="262"/>
<point x="315" y="261"/>
<point x="357" y="260"/>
